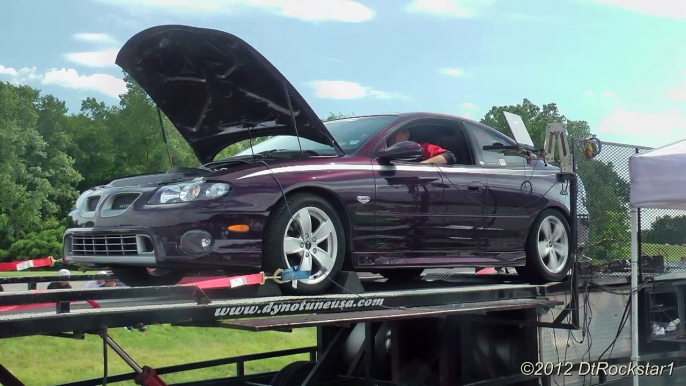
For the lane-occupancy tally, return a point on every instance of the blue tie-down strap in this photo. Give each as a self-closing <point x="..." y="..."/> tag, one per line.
<point x="291" y="274"/>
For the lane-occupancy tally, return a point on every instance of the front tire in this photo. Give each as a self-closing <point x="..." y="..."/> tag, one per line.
<point x="305" y="231"/>
<point x="548" y="249"/>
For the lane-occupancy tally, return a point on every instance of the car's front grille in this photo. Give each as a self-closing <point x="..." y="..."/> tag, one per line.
<point x="123" y="201"/>
<point x="110" y="245"/>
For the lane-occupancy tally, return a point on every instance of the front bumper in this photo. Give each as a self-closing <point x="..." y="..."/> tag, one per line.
<point x="105" y="246"/>
<point x="115" y="226"/>
<point x="161" y="247"/>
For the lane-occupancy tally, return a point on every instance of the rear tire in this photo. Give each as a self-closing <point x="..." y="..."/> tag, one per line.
<point x="142" y="277"/>
<point x="322" y="245"/>
<point x="548" y="249"/>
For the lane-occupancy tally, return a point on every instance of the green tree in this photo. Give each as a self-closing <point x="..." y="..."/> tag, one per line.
<point x="666" y="230"/>
<point x="55" y="128"/>
<point x="26" y="190"/>
<point x="536" y="120"/>
<point x="606" y="199"/>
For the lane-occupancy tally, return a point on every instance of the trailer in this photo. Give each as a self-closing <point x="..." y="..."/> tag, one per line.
<point x="443" y="329"/>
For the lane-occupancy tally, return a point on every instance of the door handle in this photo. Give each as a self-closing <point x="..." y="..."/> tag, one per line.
<point x="476" y="186"/>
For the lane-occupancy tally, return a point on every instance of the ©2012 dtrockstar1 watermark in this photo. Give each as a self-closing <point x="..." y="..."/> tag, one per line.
<point x="539" y="369"/>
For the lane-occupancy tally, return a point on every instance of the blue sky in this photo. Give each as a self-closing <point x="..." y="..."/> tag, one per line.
<point x="618" y="64"/>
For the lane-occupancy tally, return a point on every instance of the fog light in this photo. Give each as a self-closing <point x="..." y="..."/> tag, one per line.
<point x="196" y="242"/>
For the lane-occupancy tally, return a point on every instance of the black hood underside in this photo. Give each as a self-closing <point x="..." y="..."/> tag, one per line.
<point x="216" y="89"/>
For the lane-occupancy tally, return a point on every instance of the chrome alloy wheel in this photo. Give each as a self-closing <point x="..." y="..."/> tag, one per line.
<point x="313" y="238"/>
<point x="553" y="244"/>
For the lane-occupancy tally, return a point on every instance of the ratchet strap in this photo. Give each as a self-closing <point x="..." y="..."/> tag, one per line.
<point x="280" y="276"/>
<point x="26" y="264"/>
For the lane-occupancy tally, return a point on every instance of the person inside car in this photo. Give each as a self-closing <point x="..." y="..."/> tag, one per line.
<point x="432" y="153"/>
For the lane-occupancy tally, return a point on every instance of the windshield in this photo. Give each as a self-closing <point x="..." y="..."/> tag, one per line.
<point x="349" y="133"/>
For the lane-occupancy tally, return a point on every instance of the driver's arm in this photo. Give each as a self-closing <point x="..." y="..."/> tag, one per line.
<point x="437" y="155"/>
<point x="442" y="159"/>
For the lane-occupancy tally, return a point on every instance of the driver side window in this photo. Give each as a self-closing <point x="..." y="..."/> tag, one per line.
<point x="445" y="134"/>
<point x="494" y="158"/>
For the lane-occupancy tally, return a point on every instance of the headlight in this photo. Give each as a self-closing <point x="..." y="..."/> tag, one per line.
<point x="82" y="196"/>
<point x="189" y="191"/>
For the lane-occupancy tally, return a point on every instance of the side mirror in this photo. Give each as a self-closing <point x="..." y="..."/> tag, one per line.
<point x="406" y="150"/>
<point x="495" y="146"/>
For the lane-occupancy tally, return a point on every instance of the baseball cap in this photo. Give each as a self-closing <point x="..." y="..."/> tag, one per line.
<point x="64" y="272"/>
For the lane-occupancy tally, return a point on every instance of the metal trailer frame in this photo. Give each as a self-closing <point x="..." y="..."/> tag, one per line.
<point x="366" y="309"/>
<point x="476" y="330"/>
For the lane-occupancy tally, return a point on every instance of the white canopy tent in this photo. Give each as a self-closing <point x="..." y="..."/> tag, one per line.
<point x="658" y="177"/>
<point x="658" y="181"/>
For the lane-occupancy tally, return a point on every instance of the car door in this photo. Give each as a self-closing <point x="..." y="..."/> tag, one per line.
<point x="463" y="214"/>
<point x="510" y="200"/>
<point x="422" y="218"/>
<point x="406" y="192"/>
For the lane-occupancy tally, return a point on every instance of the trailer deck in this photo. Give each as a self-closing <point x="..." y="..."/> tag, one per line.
<point x="192" y="305"/>
<point x="445" y="329"/>
<point x="357" y="302"/>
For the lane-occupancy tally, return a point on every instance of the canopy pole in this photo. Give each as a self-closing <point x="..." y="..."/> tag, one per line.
<point x="634" y="292"/>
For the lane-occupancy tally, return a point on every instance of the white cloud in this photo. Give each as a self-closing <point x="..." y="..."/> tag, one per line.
<point x="675" y="9"/>
<point x="309" y="10"/>
<point x="451" y="72"/>
<point x="95" y="38"/>
<point x="451" y="8"/>
<point x="68" y="78"/>
<point x="7" y="71"/>
<point x="470" y="106"/>
<point x="589" y="93"/>
<point x="335" y="60"/>
<point x="22" y="76"/>
<point x="341" y="89"/>
<point x="678" y="94"/>
<point x="94" y="58"/>
<point x="641" y="128"/>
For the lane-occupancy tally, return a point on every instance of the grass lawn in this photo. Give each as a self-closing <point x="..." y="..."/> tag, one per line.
<point x="670" y="252"/>
<point x="38" y="360"/>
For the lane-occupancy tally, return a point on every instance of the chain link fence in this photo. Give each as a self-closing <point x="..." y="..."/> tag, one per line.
<point x="603" y="220"/>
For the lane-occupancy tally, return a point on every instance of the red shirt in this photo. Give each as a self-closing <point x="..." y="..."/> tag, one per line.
<point x="431" y="151"/>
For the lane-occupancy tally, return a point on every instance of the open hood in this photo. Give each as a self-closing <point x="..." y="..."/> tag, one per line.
<point x="216" y="89"/>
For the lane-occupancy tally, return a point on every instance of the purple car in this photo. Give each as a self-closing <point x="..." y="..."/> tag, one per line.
<point x="320" y="197"/>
